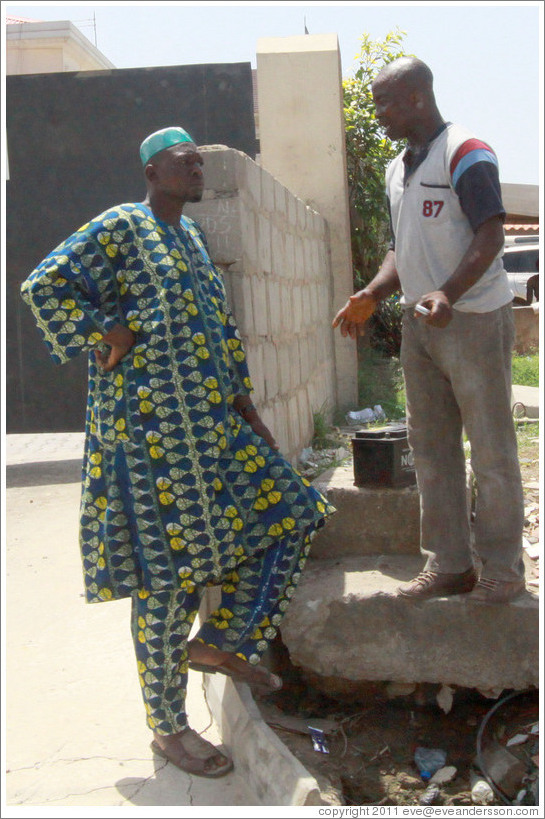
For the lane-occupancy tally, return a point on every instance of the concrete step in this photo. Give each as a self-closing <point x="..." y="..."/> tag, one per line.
<point x="369" y="520"/>
<point x="525" y="401"/>
<point x="346" y="624"/>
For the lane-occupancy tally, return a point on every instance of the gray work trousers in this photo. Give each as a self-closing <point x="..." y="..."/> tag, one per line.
<point x="459" y="378"/>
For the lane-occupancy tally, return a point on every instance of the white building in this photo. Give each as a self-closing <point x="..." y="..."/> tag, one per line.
<point x="43" y="47"/>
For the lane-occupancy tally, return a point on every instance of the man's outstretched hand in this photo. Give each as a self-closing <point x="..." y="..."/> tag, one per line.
<point x="353" y="316"/>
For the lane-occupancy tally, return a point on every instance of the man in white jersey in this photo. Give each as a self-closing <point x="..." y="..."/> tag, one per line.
<point x="447" y="239"/>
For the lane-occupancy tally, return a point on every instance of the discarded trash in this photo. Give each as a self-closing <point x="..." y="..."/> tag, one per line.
<point x="445" y="698"/>
<point x="318" y="740"/>
<point x="503" y="768"/>
<point x="518" y="739"/>
<point x="504" y="771"/>
<point x="382" y="457"/>
<point x="380" y="753"/>
<point x="518" y="410"/>
<point x="366" y="416"/>
<point x="399" y="689"/>
<point x="429" y="760"/>
<point x="311" y="460"/>
<point x="481" y="792"/>
<point x="430" y="795"/>
<point x="532" y="549"/>
<point x="443" y="775"/>
<point x="341" y="453"/>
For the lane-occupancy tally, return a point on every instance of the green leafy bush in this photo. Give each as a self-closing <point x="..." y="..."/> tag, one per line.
<point x="526" y="370"/>
<point x="368" y="154"/>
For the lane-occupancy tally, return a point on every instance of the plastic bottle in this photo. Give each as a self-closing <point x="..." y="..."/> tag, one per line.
<point x="429" y="760"/>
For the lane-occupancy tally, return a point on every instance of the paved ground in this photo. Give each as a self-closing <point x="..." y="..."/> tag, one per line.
<point x="75" y="733"/>
<point x="74" y="718"/>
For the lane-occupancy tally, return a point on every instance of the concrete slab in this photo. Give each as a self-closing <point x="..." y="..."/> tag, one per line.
<point x="345" y="622"/>
<point x="278" y="777"/>
<point x="525" y="401"/>
<point x="526" y="328"/>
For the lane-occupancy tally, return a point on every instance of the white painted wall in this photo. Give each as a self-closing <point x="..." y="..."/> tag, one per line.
<point x="46" y="47"/>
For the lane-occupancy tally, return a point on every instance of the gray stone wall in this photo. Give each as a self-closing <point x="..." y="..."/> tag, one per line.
<point x="274" y="251"/>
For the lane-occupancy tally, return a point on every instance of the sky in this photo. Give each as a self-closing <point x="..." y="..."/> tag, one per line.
<point x="486" y="57"/>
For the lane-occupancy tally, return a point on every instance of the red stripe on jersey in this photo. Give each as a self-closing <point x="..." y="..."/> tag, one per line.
<point x="466" y="148"/>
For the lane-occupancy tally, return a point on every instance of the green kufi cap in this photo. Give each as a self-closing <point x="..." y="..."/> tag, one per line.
<point x="160" y="140"/>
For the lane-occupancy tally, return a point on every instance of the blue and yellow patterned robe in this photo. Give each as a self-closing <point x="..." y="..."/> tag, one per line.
<point x="177" y="488"/>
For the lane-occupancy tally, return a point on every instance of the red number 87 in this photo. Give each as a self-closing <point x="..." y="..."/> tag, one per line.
<point x="429" y="206"/>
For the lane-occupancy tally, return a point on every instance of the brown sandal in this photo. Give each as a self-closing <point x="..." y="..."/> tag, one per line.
<point x="192" y="754"/>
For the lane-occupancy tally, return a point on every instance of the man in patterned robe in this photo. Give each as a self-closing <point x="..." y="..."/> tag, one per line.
<point x="183" y="486"/>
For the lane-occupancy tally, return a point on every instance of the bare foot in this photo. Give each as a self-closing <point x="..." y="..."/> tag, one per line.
<point x="200" y="653"/>
<point x="206" y="658"/>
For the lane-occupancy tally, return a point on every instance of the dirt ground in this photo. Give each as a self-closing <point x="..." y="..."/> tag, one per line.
<point x="371" y="743"/>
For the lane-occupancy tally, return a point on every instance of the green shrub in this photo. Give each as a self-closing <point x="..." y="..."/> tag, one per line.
<point x="526" y="370"/>
<point x="368" y="152"/>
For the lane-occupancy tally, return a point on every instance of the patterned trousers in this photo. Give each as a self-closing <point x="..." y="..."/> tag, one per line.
<point x="254" y="598"/>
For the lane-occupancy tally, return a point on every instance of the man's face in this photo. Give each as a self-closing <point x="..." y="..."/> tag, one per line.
<point x="395" y="107"/>
<point x="179" y="173"/>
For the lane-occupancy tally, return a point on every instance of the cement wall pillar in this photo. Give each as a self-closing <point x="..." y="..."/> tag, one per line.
<point x="302" y="144"/>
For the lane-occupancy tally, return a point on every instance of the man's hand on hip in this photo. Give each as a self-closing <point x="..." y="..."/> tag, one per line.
<point x="263" y="431"/>
<point x="120" y="340"/>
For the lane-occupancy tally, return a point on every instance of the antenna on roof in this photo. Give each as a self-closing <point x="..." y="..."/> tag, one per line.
<point x="89" y="22"/>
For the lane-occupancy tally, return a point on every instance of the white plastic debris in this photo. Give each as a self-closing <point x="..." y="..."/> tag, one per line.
<point x="364" y="416"/>
<point x="518" y="739"/>
<point x="430" y="794"/>
<point x="444" y="775"/>
<point x="531" y="549"/>
<point x="481" y="792"/>
<point x="445" y="698"/>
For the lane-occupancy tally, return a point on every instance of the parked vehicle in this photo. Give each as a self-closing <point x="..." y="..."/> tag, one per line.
<point x="521" y="261"/>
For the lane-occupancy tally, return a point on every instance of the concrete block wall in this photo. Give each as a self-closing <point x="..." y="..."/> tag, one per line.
<point x="275" y="255"/>
<point x="526" y="328"/>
